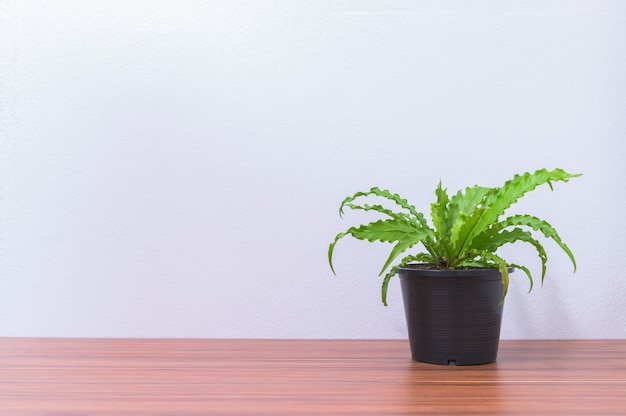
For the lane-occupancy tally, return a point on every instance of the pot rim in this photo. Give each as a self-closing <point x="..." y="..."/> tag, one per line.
<point x="468" y="272"/>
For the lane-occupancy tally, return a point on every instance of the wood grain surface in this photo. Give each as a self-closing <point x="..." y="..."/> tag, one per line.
<point x="176" y="377"/>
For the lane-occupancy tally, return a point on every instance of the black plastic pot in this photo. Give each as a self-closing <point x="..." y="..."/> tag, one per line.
<point x="453" y="316"/>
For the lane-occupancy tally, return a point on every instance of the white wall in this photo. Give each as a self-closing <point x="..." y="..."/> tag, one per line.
<point x="174" y="168"/>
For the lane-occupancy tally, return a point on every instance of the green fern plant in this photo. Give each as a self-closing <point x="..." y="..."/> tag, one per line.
<point x="465" y="231"/>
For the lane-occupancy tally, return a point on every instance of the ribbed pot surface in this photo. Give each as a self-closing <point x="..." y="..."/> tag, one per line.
<point x="453" y="316"/>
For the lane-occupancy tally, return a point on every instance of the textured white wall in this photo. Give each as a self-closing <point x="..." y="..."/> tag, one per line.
<point x="174" y="169"/>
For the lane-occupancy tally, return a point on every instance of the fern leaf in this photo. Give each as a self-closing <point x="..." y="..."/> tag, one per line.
<point x="420" y="257"/>
<point x="469" y="210"/>
<point x="476" y="263"/>
<point x="512" y="236"/>
<point x="403" y="203"/>
<point x="389" y="231"/>
<point x="538" y="224"/>
<point x="462" y="233"/>
<point x="469" y="200"/>
<point x="497" y="202"/>
<point x="443" y="214"/>
<point x="487" y="264"/>
<point x="439" y="211"/>
<point x="405" y="233"/>
<point x="377" y="208"/>
<point x="408" y="241"/>
<point x="331" y="249"/>
<point x="503" y="267"/>
<point x="526" y="271"/>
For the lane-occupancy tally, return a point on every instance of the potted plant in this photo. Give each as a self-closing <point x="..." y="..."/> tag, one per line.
<point x="454" y="287"/>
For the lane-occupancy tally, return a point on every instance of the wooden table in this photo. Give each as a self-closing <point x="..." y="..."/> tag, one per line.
<point x="185" y="377"/>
